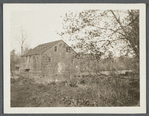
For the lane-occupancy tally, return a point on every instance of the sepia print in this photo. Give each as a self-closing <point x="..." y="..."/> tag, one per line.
<point x="63" y="56"/>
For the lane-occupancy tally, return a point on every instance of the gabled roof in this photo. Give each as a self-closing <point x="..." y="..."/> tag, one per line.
<point x="41" y="48"/>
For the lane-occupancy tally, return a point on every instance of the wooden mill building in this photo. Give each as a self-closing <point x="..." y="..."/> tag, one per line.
<point x="54" y="60"/>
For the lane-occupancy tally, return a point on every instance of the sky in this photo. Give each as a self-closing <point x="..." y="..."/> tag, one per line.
<point x="40" y="26"/>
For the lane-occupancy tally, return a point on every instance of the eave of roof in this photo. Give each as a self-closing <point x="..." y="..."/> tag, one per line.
<point x="41" y="48"/>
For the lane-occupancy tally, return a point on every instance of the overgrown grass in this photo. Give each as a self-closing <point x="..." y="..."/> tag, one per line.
<point x="91" y="91"/>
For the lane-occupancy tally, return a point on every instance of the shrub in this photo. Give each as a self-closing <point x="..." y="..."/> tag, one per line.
<point x="53" y="83"/>
<point x="115" y="91"/>
<point x="85" y="79"/>
<point x="73" y="82"/>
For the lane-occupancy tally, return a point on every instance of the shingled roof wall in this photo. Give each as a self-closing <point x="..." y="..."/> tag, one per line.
<point x="41" y="48"/>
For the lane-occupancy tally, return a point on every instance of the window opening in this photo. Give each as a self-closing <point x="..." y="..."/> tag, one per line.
<point x="55" y="48"/>
<point x="67" y="49"/>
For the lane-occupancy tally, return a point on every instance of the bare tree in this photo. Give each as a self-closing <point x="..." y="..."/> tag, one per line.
<point x="96" y="31"/>
<point x="106" y="27"/>
<point x="23" y="39"/>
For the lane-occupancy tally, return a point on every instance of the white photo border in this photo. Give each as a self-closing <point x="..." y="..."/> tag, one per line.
<point x="72" y="110"/>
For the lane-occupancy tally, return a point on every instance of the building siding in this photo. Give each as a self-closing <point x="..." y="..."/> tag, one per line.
<point x="54" y="65"/>
<point x="61" y="62"/>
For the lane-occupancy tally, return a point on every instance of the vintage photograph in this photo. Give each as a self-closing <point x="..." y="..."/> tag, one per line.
<point x="74" y="56"/>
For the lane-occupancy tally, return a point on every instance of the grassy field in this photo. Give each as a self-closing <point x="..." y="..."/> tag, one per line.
<point x="92" y="91"/>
